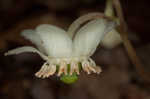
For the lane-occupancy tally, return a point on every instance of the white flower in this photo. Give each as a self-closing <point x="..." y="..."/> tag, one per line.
<point x="111" y="39"/>
<point x="57" y="48"/>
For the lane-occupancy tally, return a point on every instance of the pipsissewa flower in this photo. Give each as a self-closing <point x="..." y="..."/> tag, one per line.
<point x="60" y="49"/>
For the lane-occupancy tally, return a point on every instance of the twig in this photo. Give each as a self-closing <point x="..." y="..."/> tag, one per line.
<point x="109" y="10"/>
<point x="123" y="30"/>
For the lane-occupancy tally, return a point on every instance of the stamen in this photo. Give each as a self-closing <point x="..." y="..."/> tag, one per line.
<point x="74" y="68"/>
<point x="62" y="68"/>
<point x="85" y="66"/>
<point x="42" y="71"/>
<point x="51" y="70"/>
<point x="90" y="66"/>
<point x="92" y="62"/>
<point x="96" y="69"/>
<point x="46" y="70"/>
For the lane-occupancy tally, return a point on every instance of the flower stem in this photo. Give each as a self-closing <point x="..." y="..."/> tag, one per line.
<point x="123" y="30"/>
<point x="109" y="10"/>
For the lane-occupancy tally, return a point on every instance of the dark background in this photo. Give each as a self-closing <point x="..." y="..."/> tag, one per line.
<point x="119" y="79"/>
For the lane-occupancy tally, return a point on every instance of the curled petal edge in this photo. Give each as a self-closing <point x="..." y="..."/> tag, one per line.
<point x="26" y="49"/>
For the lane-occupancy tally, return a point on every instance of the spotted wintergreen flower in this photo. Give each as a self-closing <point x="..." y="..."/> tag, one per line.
<point x="59" y="49"/>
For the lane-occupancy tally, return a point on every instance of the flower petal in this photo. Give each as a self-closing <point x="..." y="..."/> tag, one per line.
<point x="34" y="38"/>
<point x="90" y="35"/>
<point x="85" y="18"/>
<point x="55" y="40"/>
<point x="26" y="49"/>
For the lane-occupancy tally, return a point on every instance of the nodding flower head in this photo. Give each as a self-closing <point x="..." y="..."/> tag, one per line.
<point x="65" y="53"/>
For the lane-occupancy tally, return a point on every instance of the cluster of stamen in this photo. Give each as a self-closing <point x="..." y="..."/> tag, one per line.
<point x="50" y="67"/>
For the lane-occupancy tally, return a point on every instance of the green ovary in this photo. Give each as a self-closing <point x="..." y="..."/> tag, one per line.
<point x="70" y="79"/>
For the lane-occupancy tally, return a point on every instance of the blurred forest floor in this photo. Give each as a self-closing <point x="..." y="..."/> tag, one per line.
<point x="118" y="80"/>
